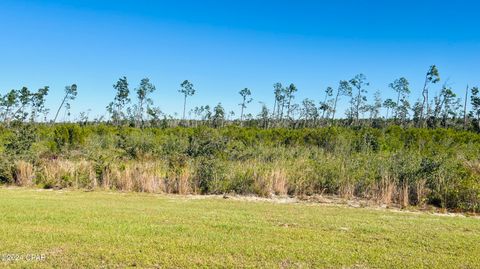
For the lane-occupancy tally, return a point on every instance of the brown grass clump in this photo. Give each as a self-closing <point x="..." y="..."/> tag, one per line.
<point x="24" y="173"/>
<point x="386" y="191"/>
<point x="278" y="179"/>
<point x="140" y="177"/>
<point x="473" y="166"/>
<point x="347" y="190"/>
<point x="421" y="192"/>
<point x="183" y="183"/>
<point x="64" y="174"/>
<point x="404" y="195"/>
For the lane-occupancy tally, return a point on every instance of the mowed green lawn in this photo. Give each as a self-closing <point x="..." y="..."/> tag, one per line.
<point x="105" y="229"/>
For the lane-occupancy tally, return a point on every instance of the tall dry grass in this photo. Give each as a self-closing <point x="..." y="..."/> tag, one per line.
<point x="279" y="181"/>
<point x="64" y="173"/>
<point x="24" y="173"/>
<point x="330" y="175"/>
<point x="141" y="177"/>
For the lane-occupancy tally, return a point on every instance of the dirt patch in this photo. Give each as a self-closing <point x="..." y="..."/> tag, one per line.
<point x="336" y="201"/>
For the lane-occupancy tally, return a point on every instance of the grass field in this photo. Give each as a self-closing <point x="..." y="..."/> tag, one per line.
<point x="105" y="229"/>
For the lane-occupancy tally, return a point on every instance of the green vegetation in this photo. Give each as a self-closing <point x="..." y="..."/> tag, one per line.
<point x="419" y="167"/>
<point x="102" y="229"/>
<point x="425" y="154"/>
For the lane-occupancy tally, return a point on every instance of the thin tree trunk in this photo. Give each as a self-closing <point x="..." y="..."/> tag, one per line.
<point x="273" y="112"/>
<point x="241" y="115"/>
<point x="16" y="112"/>
<point x="335" y="107"/>
<point x="465" y="110"/>
<point x="184" y="106"/>
<point x="281" y="111"/>
<point x="58" y="111"/>
<point x="425" y="101"/>
<point x="119" y="111"/>
<point x="398" y="103"/>
<point x="478" y="120"/>
<point x="428" y="108"/>
<point x="325" y="104"/>
<point x="140" y="115"/>
<point x="357" y="108"/>
<point x="7" y="111"/>
<point x="288" y="106"/>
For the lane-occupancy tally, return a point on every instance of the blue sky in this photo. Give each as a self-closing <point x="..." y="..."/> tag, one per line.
<point x="224" y="46"/>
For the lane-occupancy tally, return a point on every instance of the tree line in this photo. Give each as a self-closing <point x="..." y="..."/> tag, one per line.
<point x="136" y="107"/>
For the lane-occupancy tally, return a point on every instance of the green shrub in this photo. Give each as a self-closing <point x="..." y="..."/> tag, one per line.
<point x="404" y="165"/>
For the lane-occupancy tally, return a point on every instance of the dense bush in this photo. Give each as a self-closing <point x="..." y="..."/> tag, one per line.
<point x="389" y="165"/>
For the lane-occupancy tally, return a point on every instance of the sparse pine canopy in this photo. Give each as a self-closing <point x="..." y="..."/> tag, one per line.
<point x="389" y="104"/>
<point x="116" y="108"/>
<point x="279" y="101"/>
<point x="245" y="93"/>
<point x="289" y="96"/>
<point x="144" y="90"/>
<point x="402" y="87"/>
<point x="359" y="99"/>
<point x="20" y="105"/>
<point x="186" y="88"/>
<point x="218" y="115"/>
<point x="70" y="95"/>
<point x="475" y="101"/>
<point x="442" y="110"/>
<point x="326" y="106"/>
<point x="433" y="76"/>
<point x="344" y="89"/>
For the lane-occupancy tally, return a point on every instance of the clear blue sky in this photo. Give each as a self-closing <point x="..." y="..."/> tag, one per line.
<point x="224" y="46"/>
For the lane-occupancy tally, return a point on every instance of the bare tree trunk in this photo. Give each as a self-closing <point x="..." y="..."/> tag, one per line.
<point x="281" y="111"/>
<point x="118" y="119"/>
<point x="7" y="111"/>
<point x="398" y="103"/>
<point x="288" y="107"/>
<point x="140" y="115"/>
<point x="465" y="110"/>
<point x="335" y="106"/>
<point x="184" y="106"/>
<point x="357" y="107"/>
<point x="241" y="115"/>
<point x="273" y="112"/>
<point x="478" y="120"/>
<point x="425" y="101"/>
<point x="428" y="108"/>
<point x="15" y="114"/>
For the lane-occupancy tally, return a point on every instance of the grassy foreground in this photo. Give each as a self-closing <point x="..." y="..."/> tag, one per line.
<point x="106" y="229"/>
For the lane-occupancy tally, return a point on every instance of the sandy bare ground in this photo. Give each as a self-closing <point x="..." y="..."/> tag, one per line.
<point x="330" y="200"/>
